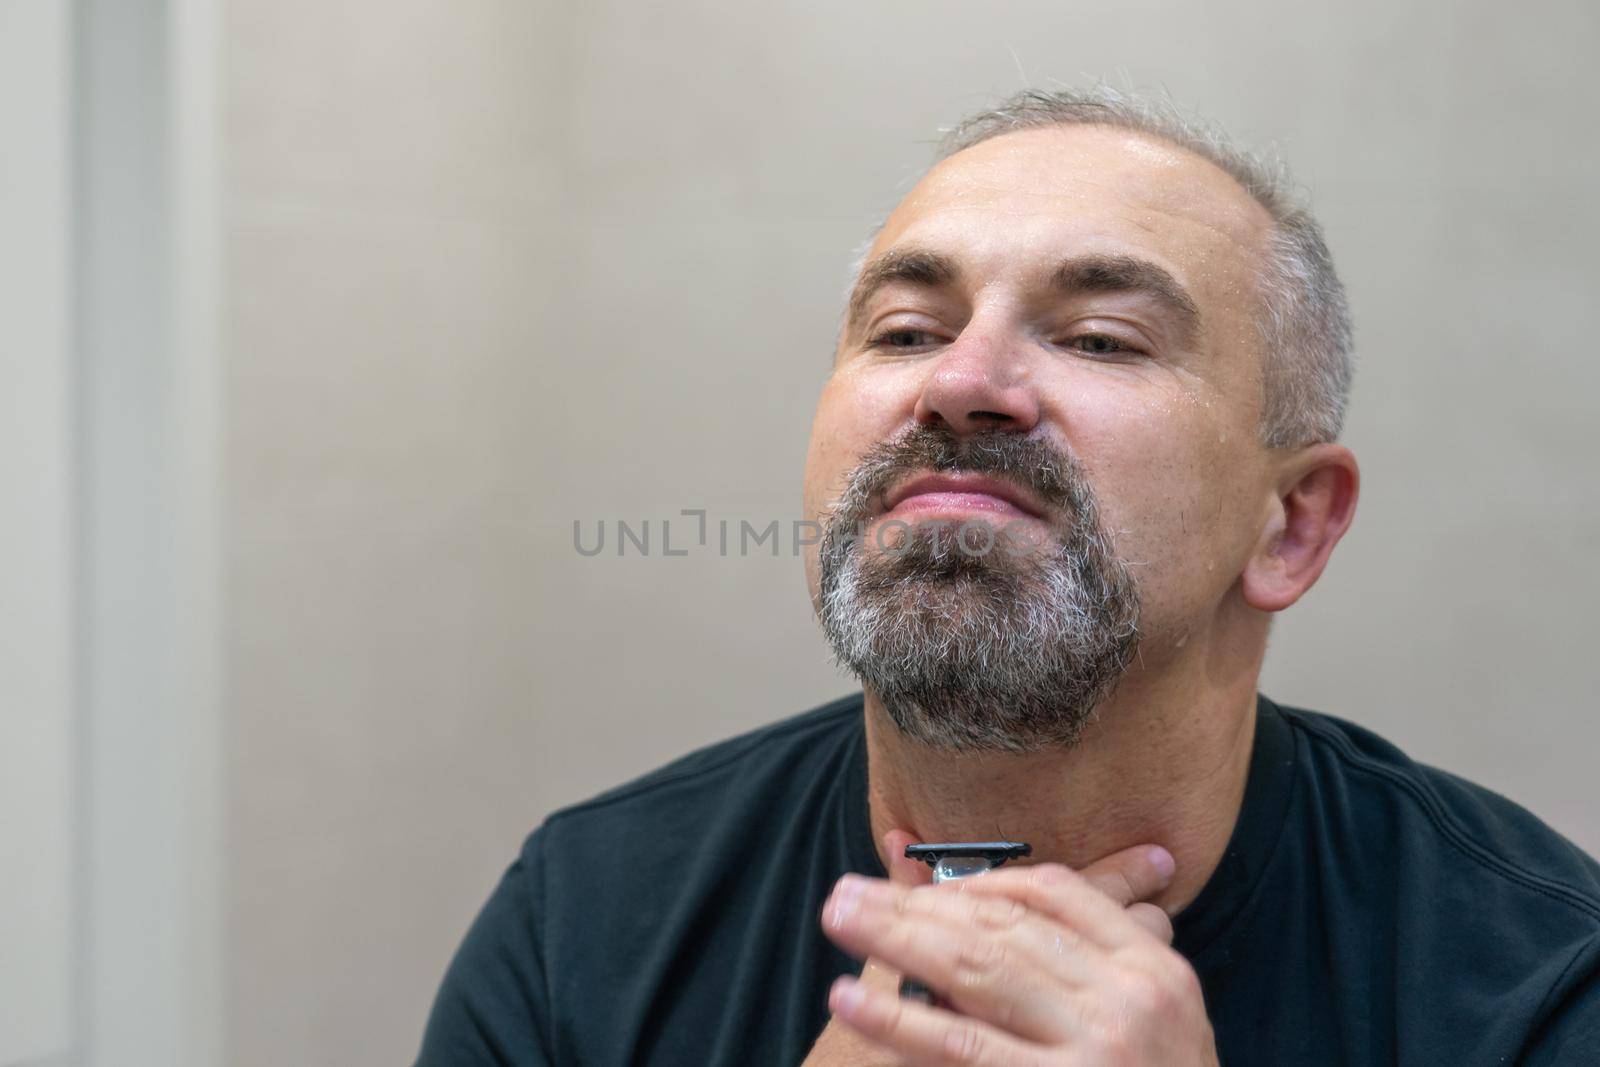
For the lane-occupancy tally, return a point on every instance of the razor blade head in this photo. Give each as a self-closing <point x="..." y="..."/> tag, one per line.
<point x="962" y="859"/>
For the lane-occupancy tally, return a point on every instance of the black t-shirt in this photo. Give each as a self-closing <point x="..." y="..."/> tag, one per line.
<point x="1368" y="910"/>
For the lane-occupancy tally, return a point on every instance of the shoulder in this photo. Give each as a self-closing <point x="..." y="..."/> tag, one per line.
<point x="720" y="784"/>
<point x="1482" y="834"/>
<point x="606" y="893"/>
<point x="1472" y="885"/>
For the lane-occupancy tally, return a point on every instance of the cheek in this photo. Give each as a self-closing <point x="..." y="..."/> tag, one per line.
<point x="1168" y="482"/>
<point x="852" y="416"/>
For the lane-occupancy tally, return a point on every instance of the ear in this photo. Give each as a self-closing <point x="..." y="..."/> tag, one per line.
<point x="1313" y="505"/>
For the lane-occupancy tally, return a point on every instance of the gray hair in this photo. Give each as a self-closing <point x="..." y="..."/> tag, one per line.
<point x="1304" y="320"/>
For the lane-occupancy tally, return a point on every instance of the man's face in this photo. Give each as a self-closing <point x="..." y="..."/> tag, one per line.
<point x="1091" y="291"/>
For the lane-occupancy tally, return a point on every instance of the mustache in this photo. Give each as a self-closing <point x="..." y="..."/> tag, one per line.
<point x="1052" y="476"/>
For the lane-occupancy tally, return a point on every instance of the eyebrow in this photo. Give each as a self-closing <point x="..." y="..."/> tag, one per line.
<point x="1092" y="273"/>
<point x="1128" y="274"/>
<point x="929" y="270"/>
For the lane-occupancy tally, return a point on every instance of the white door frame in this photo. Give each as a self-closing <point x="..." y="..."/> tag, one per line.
<point x="149" y="373"/>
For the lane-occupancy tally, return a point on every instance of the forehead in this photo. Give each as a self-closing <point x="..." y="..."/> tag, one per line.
<point x="1021" y="202"/>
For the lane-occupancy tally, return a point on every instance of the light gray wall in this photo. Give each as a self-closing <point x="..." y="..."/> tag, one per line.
<point x="497" y="266"/>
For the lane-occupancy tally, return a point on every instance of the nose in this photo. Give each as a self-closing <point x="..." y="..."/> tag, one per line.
<point x="979" y="384"/>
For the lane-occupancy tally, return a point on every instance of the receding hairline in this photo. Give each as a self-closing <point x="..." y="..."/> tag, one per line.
<point x="1263" y="223"/>
<point x="1167" y="143"/>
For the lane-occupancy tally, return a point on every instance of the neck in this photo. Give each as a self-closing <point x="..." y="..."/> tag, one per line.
<point x="1164" y="762"/>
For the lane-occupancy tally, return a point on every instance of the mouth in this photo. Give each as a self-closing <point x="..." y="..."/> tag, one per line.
<point x="954" y="493"/>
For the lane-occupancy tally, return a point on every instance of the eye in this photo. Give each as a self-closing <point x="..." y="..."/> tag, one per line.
<point x="905" y="337"/>
<point x="1101" y="345"/>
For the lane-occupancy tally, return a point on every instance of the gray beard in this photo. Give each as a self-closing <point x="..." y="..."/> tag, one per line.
<point x="1007" y="650"/>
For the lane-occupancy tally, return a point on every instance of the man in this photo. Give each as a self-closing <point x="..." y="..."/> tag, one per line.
<point x="1078" y="446"/>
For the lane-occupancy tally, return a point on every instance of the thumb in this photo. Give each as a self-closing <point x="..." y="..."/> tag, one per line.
<point x="1132" y="875"/>
<point x="904" y="871"/>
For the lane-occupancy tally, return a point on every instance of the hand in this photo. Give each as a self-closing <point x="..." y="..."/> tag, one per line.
<point x="840" y="1045"/>
<point x="1039" y="966"/>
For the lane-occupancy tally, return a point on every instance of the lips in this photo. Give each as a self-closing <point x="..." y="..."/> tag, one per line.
<point x="961" y="492"/>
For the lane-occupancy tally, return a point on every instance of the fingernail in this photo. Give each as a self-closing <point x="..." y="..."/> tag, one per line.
<point x="847" y="995"/>
<point x="1162" y="861"/>
<point x="845" y="900"/>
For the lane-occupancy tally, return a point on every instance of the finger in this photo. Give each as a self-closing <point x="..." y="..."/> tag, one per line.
<point x="1063" y="895"/>
<point x="991" y="959"/>
<point x="902" y="871"/>
<point x="1153" y="919"/>
<point x="875" y="974"/>
<point x="926" y="1035"/>
<point x="1132" y="875"/>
